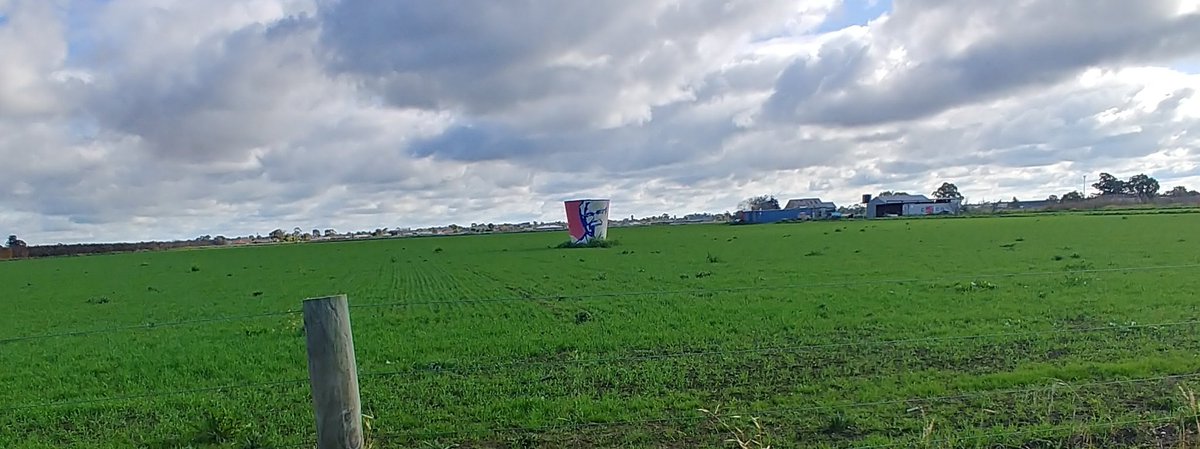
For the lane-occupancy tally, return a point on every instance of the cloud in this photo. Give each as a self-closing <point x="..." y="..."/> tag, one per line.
<point x="160" y="119"/>
<point x="929" y="56"/>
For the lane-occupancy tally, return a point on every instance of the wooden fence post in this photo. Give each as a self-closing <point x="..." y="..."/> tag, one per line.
<point x="333" y="373"/>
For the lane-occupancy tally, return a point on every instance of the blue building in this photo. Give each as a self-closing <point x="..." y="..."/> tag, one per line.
<point x="795" y="210"/>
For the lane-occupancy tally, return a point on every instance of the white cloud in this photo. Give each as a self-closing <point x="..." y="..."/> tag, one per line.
<point x="171" y="118"/>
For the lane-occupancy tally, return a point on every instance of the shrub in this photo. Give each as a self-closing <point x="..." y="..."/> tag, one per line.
<point x="589" y="244"/>
<point x="583" y="317"/>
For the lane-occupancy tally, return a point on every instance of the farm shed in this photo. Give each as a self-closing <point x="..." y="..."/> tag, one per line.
<point x="911" y="205"/>
<point x="820" y="208"/>
<point x="775" y="216"/>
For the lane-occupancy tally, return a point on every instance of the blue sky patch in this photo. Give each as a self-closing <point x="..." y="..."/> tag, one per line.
<point x="854" y="12"/>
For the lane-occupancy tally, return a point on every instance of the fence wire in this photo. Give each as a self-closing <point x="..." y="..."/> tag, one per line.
<point x="157" y="394"/>
<point x="148" y="326"/>
<point x="608" y="360"/>
<point x="522" y="364"/>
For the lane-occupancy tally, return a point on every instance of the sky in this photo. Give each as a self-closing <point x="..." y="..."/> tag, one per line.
<point x="125" y="120"/>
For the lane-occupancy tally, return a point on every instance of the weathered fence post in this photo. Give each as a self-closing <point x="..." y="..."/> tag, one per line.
<point x="333" y="373"/>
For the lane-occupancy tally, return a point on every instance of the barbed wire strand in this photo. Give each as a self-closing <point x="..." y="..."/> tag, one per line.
<point x="990" y="436"/>
<point x="148" y="326"/>
<point x="776" y="410"/>
<point x="768" y="287"/>
<point x="308" y="444"/>
<point x="152" y="395"/>
<point x="596" y="360"/>
<point x="760" y="351"/>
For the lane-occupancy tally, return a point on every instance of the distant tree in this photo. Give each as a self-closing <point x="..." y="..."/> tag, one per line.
<point x="762" y="202"/>
<point x="855" y="209"/>
<point x="1178" y="191"/>
<point x="1073" y="195"/>
<point x="330" y="232"/>
<point x="891" y="193"/>
<point x="1110" y="185"/>
<point x="1052" y="198"/>
<point x="14" y="242"/>
<point x="278" y="235"/>
<point x="947" y="191"/>
<point x="1014" y="202"/>
<point x="1143" y="186"/>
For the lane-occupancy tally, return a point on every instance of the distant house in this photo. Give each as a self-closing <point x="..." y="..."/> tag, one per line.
<point x="813" y="203"/>
<point x="815" y="206"/>
<point x="911" y="205"/>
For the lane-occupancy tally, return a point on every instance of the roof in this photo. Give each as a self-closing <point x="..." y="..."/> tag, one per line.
<point x="901" y="199"/>
<point x="808" y="203"/>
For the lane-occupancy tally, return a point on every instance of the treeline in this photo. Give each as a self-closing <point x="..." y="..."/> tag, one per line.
<point x="23" y="251"/>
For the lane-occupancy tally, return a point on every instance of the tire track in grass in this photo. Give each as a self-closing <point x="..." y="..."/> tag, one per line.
<point x="410" y="283"/>
<point x="379" y="285"/>
<point x="510" y="284"/>
<point x="423" y="282"/>
<point x="453" y="284"/>
<point x="396" y="285"/>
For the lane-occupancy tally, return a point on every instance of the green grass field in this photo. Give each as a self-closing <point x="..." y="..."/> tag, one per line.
<point x="1050" y="331"/>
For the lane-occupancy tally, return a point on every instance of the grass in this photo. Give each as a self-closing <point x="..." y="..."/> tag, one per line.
<point x="782" y="342"/>
<point x="589" y="244"/>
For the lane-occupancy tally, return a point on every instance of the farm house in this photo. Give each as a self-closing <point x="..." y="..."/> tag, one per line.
<point x="910" y="205"/>
<point x="818" y="207"/>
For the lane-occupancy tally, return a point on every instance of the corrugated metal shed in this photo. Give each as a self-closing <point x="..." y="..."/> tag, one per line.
<point x="814" y="203"/>
<point x="901" y="199"/>
<point x="899" y="205"/>
<point x="774" y="216"/>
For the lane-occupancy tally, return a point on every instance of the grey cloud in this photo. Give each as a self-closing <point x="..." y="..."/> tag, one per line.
<point x="201" y="118"/>
<point x="1029" y="47"/>
<point x="232" y="94"/>
<point x="592" y="60"/>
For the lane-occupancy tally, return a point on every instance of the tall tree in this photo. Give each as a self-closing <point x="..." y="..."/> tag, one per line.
<point x="761" y="202"/>
<point x="891" y="193"/>
<point x="1143" y="186"/>
<point x="1109" y="185"/>
<point x="1052" y="198"/>
<point x="947" y="191"/>
<point x="14" y="242"/>
<point x="1073" y="195"/>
